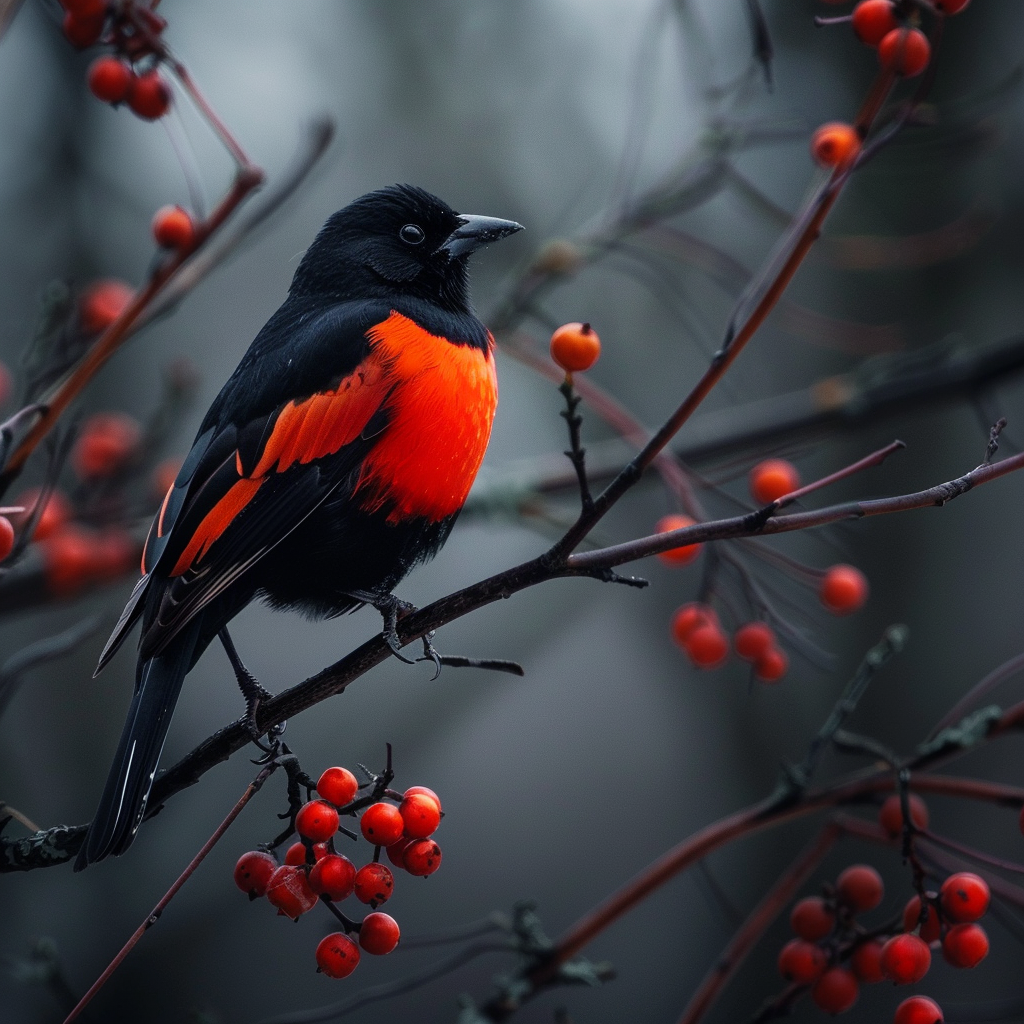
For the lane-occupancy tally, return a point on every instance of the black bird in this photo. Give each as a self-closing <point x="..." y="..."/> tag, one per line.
<point x="335" y="458"/>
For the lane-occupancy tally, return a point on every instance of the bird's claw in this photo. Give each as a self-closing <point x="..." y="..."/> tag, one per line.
<point x="430" y="654"/>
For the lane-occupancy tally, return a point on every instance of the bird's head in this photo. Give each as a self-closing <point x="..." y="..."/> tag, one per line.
<point x="399" y="238"/>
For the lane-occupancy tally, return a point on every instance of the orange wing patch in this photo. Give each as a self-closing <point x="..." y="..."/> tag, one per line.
<point x="303" y="431"/>
<point x="440" y="416"/>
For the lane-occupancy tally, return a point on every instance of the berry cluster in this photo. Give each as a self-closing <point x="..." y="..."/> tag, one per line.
<point x="313" y="871"/>
<point x="890" y="28"/>
<point x="130" y="75"/>
<point x="834" y="954"/>
<point x="696" y="627"/>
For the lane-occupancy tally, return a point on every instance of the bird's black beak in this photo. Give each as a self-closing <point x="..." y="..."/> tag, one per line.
<point x="474" y="231"/>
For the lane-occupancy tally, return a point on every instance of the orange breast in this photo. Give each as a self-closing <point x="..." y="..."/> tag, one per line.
<point x="441" y="411"/>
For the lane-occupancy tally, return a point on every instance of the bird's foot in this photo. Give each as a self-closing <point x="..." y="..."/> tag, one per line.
<point x="430" y="654"/>
<point x="392" y="609"/>
<point x="253" y="692"/>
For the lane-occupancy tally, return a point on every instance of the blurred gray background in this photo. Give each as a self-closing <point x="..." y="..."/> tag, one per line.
<point x="561" y="785"/>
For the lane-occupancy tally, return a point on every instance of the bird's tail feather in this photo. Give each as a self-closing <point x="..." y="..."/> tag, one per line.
<point x="158" y="683"/>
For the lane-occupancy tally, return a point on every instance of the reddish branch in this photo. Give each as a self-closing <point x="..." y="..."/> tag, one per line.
<point x="154" y="915"/>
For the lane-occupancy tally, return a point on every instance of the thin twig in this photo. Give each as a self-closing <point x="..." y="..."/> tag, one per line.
<point x="251" y="790"/>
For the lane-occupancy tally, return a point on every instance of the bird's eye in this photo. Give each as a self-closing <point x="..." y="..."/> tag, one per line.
<point x="412" y="233"/>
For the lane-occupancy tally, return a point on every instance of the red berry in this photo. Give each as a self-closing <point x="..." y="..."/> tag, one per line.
<point x="337" y="956"/>
<point x="682" y="555"/>
<point x="801" y="962"/>
<point x="374" y="883"/>
<point x="114" y="554"/>
<point x="150" y="96"/>
<point x="82" y="32"/>
<point x="918" y="1010"/>
<point x="753" y="640"/>
<point x="836" y="990"/>
<point x="423" y="791"/>
<point x="931" y="928"/>
<point x="950" y="6"/>
<point x="321" y="850"/>
<point x="110" y="79"/>
<point x="890" y="817"/>
<point x="964" y="897"/>
<point x="688" y="618"/>
<point x="772" y="479"/>
<point x="101" y="304"/>
<point x="108" y="442"/>
<point x="422" y="857"/>
<point x="812" y="918"/>
<point x="6" y="537"/>
<point x="771" y="666"/>
<point x="317" y="821"/>
<point x="85" y="8"/>
<point x="338" y="785"/>
<point x="965" y="945"/>
<point x="396" y="852"/>
<point x="707" y="647"/>
<point x="906" y="959"/>
<point x="905" y="51"/>
<point x="866" y="961"/>
<point x="333" y="876"/>
<point x="421" y="816"/>
<point x="860" y="888"/>
<point x="173" y="227"/>
<point x="253" y="872"/>
<point x="873" y="20"/>
<point x="575" y="347"/>
<point x="378" y="934"/>
<point x="843" y="589"/>
<point x="833" y="144"/>
<point x="289" y="891"/>
<point x="57" y="513"/>
<point x="382" y="824"/>
<point x="68" y="559"/>
<point x="295" y="854"/>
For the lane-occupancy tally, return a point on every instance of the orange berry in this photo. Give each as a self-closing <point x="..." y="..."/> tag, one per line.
<point x="905" y="51"/>
<point x="753" y="640"/>
<point x="575" y="347"/>
<point x="771" y="479"/>
<point x="68" y="560"/>
<point x="101" y="304"/>
<point x="707" y="646"/>
<point x="173" y="227"/>
<point x="110" y="79"/>
<point x="149" y="96"/>
<point x="423" y="791"/>
<point x="677" y="556"/>
<point x="57" y="512"/>
<point x="843" y="590"/>
<point x="873" y="20"/>
<point x="771" y="666"/>
<point x="108" y="442"/>
<point x="835" y="143"/>
<point x="688" y="618"/>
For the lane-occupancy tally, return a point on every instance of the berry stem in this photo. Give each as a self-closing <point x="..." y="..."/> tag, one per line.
<point x="577" y="453"/>
<point x="151" y="919"/>
<point x="760" y="919"/>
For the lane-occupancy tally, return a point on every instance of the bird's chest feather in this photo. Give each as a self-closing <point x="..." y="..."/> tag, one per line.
<point x="440" y="413"/>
